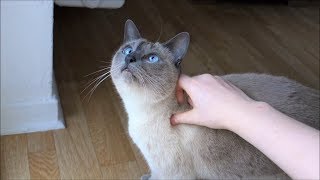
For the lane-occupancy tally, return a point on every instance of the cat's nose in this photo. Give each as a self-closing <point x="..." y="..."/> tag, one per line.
<point x="130" y="59"/>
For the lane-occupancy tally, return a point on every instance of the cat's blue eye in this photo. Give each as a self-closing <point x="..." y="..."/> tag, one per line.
<point x="153" y="59"/>
<point x="127" y="50"/>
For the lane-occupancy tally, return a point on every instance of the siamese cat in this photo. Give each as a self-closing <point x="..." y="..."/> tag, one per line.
<point x="145" y="75"/>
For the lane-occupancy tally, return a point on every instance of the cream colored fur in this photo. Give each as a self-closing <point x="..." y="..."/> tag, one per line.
<point x="188" y="151"/>
<point x="191" y="152"/>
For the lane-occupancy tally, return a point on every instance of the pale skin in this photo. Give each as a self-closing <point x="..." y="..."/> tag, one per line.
<point x="218" y="104"/>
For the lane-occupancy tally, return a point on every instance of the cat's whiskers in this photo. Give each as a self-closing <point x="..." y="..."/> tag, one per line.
<point x="152" y="83"/>
<point x="103" y="68"/>
<point x="96" y="85"/>
<point x="98" y="80"/>
<point x="88" y="84"/>
<point x="155" y="83"/>
<point x="97" y="71"/>
<point x="106" y="62"/>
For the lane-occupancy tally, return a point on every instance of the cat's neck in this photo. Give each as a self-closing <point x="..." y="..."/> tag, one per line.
<point x="143" y="111"/>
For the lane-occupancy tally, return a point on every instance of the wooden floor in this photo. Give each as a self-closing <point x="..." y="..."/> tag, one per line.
<point x="225" y="38"/>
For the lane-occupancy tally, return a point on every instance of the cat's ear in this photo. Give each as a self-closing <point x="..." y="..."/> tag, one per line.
<point x="131" y="31"/>
<point x="178" y="45"/>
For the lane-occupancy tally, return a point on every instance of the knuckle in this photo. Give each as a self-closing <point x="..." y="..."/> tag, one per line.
<point x="207" y="76"/>
<point x="193" y="81"/>
<point x="204" y="77"/>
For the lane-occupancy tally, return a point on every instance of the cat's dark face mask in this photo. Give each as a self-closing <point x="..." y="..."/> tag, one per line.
<point x="149" y="65"/>
<point x="178" y="45"/>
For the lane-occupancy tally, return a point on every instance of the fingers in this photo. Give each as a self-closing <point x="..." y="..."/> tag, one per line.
<point x="190" y="101"/>
<point x="187" y="117"/>
<point x="180" y="94"/>
<point x="186" y="83"/>
<point x="223" y="82"/>
<point x="238" y="90"/>
<point x="183" y="85"/>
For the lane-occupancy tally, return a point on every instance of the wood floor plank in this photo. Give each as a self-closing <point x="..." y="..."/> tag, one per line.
<point x="75" y="152"/>
<point x="43" y="165"/>
<point x="128" y="170"/>
<point x="40" y="141"/>
<point x="108" y="136"/>
<point x="3" y="172"/>
<point x="15" y="157"/>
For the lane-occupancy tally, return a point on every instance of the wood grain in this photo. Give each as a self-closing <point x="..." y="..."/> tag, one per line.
<point x="14" y="157"/>
<point x="41" y="141"/>
<point x="108" y="136"/>
<point x="3" y="172"/>
<point x="76" y="154"/>
<point x="43" y="165"/>
<point x="225" y="38"/>
<point x="128" y="170"/>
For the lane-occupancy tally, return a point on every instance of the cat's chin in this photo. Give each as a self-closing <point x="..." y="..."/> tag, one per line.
<point x="128" y="77"/>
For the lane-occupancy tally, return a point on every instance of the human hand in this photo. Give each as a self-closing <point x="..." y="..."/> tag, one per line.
<point x="215" y="102"/>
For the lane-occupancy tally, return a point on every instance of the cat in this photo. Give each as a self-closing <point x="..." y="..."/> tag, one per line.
<point x="145" y="75"/>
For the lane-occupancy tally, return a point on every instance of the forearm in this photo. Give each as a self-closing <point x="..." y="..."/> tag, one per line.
<point x="293" y="146"/>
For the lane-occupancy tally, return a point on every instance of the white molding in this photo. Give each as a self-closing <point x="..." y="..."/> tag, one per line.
<point x="31" y="117"/>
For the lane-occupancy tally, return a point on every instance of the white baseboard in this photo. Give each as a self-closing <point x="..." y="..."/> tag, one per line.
<point x="31" y="117"/>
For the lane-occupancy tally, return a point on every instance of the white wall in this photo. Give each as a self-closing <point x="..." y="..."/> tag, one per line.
<point x="28" y="97"/>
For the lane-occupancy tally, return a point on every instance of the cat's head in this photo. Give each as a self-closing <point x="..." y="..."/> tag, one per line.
<point x="147" y="68"/>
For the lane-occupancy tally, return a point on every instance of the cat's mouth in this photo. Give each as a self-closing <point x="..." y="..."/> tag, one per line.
<point x="126" y="69"/>
<point x="127" y="72"/>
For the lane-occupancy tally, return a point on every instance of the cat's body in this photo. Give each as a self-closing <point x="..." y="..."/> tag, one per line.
<point x="188" y="151"/>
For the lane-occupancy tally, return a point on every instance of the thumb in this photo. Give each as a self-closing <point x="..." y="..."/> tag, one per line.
<point x="187" y="117"/>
